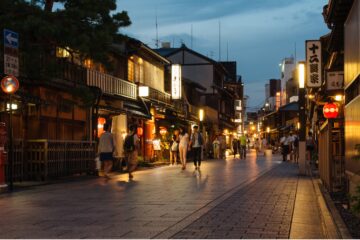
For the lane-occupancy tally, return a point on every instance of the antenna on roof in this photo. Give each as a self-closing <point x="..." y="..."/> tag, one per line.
<point x="295" y="54"/>
<point x="191" y="37"/>
<point x="227" y="51"/>
<point x="219" y="40"/>
<point x="157" y="32"/>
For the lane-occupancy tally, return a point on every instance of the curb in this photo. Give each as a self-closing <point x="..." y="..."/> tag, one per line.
<point x="333" y="225"/>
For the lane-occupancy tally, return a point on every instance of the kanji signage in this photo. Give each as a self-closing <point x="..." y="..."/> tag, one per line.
<point x="176" y="81"/>
<point x="313" y="64"/>
<point x="335" y="80"/>
<point x="11" y="52"/>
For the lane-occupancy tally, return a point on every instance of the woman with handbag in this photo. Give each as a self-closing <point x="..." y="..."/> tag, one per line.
<point x="174" y="150"/>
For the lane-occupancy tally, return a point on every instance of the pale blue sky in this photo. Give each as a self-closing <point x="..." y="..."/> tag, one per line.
<point x="259" y="33"/>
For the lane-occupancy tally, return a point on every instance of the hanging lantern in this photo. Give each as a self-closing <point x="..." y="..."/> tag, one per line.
<point x="163" y="131"/>
<point x="140" y="131"/>
<point x="330" y="110"/>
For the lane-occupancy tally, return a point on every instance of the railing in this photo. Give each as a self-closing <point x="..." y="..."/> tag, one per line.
<point x="159" y="96"/>
<point x="42" y="159"/>
<point x="111" y="85"/>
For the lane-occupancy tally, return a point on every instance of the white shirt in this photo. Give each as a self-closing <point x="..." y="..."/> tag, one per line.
<point x="195" y="139"/>
<point x="286" y="140"/>
<point x="106" y="143"/>
<point x="184" y="140"/>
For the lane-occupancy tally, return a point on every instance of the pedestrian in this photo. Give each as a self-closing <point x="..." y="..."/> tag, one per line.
<point x="295" y="143"/>
<point x="257" y="145"/>
<point x="234" y="146"/>
<point x="174" y="150"/>
<point x="131" y="149"/>
<point x="310" y="147"/>
<point x="243" y="146"/>
<point x="216" y="148"/>
<point x="222" y="147"/>
<point x="196" y="142"/>
<point x="285" y="142"/>
<point x="183" y="147"/>
<point x="106" y="149"/>
<point x="264" y="145"/>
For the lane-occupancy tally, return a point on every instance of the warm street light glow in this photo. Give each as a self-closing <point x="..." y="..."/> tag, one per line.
<point x="253" y="128"/>
<point x="311" y="96"/>
<point x="143" y="91"/>
<point x="298" y="125"/>
<point x="301" y="75"/>
<point x="268" y="129"/>
<point x="339" y="98"/>
<point x="201" y="115"/>
<point x="266" y="104"/>
<point x="14" y="106"/>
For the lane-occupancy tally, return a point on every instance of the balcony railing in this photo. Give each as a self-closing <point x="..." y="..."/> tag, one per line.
<point x="159" y="96"/>
<point x="111" y="85"/>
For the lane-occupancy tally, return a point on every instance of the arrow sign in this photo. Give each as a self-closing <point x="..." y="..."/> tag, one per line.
<point x="11" y="39"/>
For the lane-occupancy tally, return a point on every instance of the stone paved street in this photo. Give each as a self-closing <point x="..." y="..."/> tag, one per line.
<point x="262" y="209"/>
<point x="252" y="198"/>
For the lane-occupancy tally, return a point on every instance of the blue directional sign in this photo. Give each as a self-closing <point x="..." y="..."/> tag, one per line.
<point x="11" y="39"/>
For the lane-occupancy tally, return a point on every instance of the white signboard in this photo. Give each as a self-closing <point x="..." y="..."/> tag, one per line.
<point x="313" y="64"/>
<point x="11" y="65"/>
<point x="335" y="80"/>
<point x="11" y="46"/>
<point x="176" y="81"/>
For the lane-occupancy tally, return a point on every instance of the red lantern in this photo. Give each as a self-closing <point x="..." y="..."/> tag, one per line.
<point x="140" y="131"/>
<point x="331" y="110"/>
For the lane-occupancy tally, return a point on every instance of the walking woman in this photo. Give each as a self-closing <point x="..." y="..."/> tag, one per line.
<point x="183" y="147"/>
<point x="174" y="150"/>
<point x="105" y="149"/>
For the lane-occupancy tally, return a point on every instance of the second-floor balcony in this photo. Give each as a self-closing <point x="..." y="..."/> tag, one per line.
<point x="110" y="84"/>
<point x="159" y="96"/>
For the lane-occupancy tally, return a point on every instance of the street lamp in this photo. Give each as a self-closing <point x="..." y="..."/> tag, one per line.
<point x="10" y="85"/>
<point x="302" y="118"/>
<point x="201" y="118"/>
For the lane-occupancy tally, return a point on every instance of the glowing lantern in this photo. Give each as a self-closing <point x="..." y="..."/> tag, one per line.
<point x="140" y="131"/>
<point x="163" y="131"/>
<point x="330" y="110"/>
<point x="101" y="122"/>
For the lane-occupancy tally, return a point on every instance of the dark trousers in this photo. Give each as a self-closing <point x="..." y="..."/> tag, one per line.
<point x="197" y="156"/>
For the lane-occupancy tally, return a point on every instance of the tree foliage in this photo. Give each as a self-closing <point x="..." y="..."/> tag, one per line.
<point x="88" y="27"/>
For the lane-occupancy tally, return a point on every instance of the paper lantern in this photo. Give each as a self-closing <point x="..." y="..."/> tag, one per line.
<point x="330" y="110"/>
<point x="140" y="131"/>
<point x="163" y="131"/>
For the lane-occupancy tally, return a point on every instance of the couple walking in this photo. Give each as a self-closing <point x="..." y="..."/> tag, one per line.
<point x="187" y="143"/>
<point x="107" y="146"/>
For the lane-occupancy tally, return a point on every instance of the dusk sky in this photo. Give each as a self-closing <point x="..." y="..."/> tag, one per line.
<point x="259" y="33"/>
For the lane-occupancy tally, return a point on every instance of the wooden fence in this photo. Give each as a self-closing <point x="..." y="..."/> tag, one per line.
<point x="39" y="160"/>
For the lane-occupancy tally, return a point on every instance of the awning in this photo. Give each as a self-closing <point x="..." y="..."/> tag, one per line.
<point x="137" y="108"/>
<point x="290" y="107"/>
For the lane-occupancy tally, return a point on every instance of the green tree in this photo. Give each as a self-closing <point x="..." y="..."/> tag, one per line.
<point x="87" y="27"/>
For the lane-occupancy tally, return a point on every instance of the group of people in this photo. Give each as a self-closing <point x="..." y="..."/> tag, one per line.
<point x="290" y="145"/>
<point x="180" y="146"/>
<point x="183" y="143"/>
<point x="106" y="150"/>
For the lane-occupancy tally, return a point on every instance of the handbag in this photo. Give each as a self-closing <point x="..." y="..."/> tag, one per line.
<point x="174" y="147"/>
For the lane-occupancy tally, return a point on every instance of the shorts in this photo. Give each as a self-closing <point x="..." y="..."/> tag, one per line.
<point x="310" y="148"/>
<point x="106" y="156"/>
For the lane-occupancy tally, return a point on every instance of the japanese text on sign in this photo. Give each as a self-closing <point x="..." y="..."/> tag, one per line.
<point x="313" y="64"/>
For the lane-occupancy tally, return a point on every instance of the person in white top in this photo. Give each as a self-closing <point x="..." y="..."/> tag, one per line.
<point x="105" y="149"/>
<point x="285" y="142"/>
<point x="183" y="147"/>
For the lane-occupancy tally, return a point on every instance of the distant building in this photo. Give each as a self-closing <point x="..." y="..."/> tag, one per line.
<point x="287" y="67"/>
